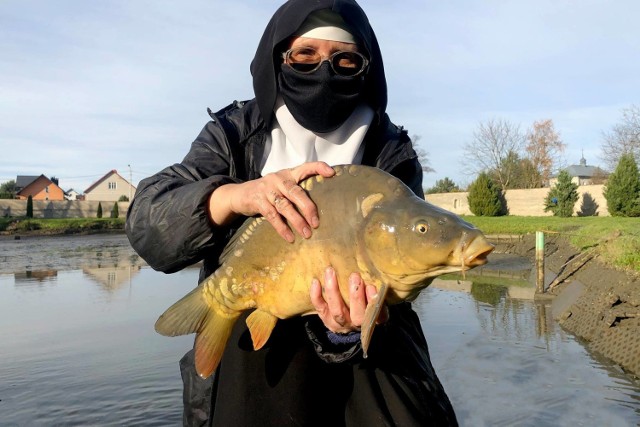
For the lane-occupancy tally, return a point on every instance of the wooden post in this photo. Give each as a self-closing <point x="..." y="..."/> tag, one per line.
<point x="540" y="262"/>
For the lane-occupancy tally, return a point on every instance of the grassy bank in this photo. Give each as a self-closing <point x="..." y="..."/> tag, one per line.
<point x="59" y="226"/>
<point x="616" y="240"/>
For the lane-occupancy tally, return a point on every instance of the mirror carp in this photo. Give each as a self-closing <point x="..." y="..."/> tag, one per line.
<point x="370" y="222"/>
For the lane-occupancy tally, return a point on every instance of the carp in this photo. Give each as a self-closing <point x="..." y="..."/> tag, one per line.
<point x="370" y="222"/>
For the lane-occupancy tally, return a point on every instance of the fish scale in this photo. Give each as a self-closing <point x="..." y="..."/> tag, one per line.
<point x="370" y="223"/>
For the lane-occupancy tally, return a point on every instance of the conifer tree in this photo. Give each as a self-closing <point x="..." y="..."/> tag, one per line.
<point x="562" y="198"/>
<point x="114" y="211"/>
<point x="99" y="215"/>
<point x="30" y="207"/>
<point x="486" y="198"/>
<point x="623" y="188"/>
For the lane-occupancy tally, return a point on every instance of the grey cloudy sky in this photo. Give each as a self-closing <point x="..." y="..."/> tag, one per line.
<point x="87" y="86"/>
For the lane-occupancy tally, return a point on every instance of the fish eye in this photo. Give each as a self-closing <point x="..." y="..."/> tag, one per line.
<point x="422" y="227"/>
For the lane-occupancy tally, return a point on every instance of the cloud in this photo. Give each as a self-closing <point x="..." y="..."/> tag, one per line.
<point x="92" y="86"/>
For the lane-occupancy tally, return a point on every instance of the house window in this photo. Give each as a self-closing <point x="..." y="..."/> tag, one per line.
<point x="112" y="186"/>
<point x="46" y="189"/>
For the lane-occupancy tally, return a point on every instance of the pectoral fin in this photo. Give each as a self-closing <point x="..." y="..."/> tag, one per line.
<point x="370" y="317"/>
<point x="260" y="325"/>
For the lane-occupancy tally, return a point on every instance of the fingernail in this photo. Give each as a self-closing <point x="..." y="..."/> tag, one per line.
<point x="290" y="237"/>
<point x="306" y="232"/>
<point x="327" y="272"/>
<point x="315" y="221"/>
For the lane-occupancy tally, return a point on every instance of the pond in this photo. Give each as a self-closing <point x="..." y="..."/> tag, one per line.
<point x="79" y="348"/>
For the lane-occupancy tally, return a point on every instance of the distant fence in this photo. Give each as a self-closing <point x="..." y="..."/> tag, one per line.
<point x="591" y="202"/>
<point x="60" y="209"/>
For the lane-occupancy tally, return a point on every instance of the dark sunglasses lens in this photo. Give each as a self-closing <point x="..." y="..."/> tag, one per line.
<point x="348" y="63"/>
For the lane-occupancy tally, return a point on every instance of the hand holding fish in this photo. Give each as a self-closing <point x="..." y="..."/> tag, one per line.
<point x="331" y="307"/>
<point x="276" y="196"/>
<point x="380" y="232"/>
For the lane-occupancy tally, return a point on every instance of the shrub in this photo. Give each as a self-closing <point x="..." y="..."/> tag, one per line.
<point x="123" y="198"/>
<point x="486" y="197"/>
<point x="114" y="211"/>
<point x="30" y="207"/>
<point x="99" y="214"/>
<point x="623" y="188"/>
<point x="562" y="198"/>
<point x="443" y="186"/>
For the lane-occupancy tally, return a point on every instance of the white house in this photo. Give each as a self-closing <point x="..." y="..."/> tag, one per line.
<point x="110" y="188"/>
<point x="72" y="194"/>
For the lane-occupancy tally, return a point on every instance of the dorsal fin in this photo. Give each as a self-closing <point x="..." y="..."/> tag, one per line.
<point x="238" y="238"/>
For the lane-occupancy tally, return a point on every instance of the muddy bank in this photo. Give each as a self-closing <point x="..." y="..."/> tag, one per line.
<point x="38" y="254"/>
<point x="605" y="302"/>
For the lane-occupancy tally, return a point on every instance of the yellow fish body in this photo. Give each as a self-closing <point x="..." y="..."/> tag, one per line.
<point x="370" y="222"/>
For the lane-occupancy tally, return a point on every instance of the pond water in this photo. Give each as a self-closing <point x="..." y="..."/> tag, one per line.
<point x="77" y="345"/>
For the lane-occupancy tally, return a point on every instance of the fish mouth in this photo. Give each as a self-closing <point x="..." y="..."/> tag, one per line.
<point x="475" y="253"/>
<point x="479" y="258"/>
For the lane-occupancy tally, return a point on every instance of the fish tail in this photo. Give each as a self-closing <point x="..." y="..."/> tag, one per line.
<point x="212" y="326"/>
<point x="211" y="341"/>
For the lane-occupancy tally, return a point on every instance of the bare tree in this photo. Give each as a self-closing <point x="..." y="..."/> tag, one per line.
<point x="493" y="142"/>
<point x="423" y="155"/>
<point x="624" y="138"/>
<point x="544" y="149"/>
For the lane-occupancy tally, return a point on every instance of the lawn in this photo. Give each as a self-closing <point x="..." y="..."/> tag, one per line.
<point x="616" y="239"/>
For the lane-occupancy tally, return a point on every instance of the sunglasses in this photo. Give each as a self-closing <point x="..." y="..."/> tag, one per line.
<point x="306" y="60"/>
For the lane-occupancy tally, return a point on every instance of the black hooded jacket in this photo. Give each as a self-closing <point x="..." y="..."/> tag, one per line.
<point x="286" y="383"/>
<point x="230" y="149"/>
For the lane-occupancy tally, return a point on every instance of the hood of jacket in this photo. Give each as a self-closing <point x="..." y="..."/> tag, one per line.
<point x="283" y="24"/>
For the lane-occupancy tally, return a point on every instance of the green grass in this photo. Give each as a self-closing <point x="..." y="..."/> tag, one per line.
<point x="616" y="240"/>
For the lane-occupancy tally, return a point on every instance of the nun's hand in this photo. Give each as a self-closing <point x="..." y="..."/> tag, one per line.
<point x="276" y="196"/>
<point x="331" y="307"/>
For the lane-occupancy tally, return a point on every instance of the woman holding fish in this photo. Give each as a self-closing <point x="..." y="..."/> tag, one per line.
<point x="320" y="98"/>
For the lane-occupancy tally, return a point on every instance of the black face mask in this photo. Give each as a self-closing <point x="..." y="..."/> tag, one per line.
<point x="320" y="101"/>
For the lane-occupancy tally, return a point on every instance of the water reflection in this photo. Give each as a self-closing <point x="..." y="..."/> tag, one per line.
<point x="41" y="276"/>
<point x="78" y="345"/>
<point x="111" y="279"/>
<point x="505" y="361"/>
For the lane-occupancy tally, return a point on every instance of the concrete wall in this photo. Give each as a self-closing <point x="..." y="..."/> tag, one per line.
<point x="524" y="202"/>
<point x="519" y="202"/>
<point x="60" y="209"/>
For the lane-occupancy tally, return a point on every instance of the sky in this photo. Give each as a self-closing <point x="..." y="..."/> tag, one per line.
<point x="91" y="86"/>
